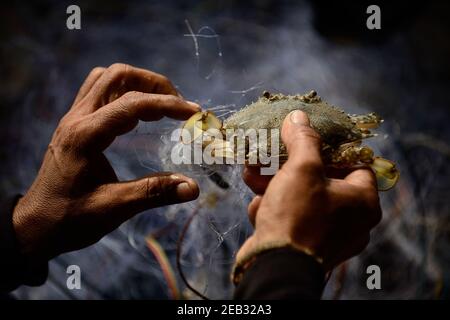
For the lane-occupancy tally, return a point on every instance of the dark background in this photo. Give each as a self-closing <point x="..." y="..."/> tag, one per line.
<point x="401" y="71"/>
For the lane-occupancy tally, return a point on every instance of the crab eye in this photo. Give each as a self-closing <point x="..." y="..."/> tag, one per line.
<point x="197" y="124"/>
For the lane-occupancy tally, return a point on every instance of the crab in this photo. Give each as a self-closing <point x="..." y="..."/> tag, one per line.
<point x="341" y="133"/>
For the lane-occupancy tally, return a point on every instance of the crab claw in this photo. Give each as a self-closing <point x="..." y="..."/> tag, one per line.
<point x="386" y="173"/>
<point x="199" y="123"/>
<point x="366" y="121"/>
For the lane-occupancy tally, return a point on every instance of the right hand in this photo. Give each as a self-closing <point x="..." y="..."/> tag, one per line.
<point x="300" y="205"/>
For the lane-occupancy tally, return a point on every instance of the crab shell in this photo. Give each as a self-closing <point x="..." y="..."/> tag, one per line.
<point x="333" y="124"/>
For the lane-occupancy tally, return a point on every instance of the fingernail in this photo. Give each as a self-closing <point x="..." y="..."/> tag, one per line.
<point x="299" y="118"/>
<point x="195" y="105"/>
<point x="184" y="191"/>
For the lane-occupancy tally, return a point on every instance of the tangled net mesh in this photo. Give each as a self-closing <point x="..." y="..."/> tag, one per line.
<point x="410" y="245"/>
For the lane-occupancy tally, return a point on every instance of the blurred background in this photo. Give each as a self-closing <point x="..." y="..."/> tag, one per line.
<point x="224" y="54"/>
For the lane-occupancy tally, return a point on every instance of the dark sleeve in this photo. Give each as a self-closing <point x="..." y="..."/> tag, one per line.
<point x="282" y="273"/>
<point x="15" y="269"/>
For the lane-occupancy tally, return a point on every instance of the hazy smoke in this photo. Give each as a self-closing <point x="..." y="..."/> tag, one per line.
<point x="225" y="59"/>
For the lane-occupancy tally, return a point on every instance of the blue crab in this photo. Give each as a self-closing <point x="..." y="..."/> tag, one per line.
<point x="341" y="133"/>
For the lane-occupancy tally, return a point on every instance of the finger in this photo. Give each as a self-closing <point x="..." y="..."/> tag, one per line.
<point x="366" y="183"/>
<point x="363" y="177"/>
<point x="122" y="115"/>
<point x="342" y="173"/>
<point x="253" y="178"/>
<point x="303" y="144"/>
<point x="120" y="78"/>
<point x="87" y="85"/>
<point x="337" y="173"/>
<point x="121" y="201"/>
<point x="360" y="204"/>
<point x="253" y="209"/>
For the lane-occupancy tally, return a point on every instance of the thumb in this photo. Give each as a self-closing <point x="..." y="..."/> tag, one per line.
<point x="131" y="197"/>
<point x="302" y="142"/>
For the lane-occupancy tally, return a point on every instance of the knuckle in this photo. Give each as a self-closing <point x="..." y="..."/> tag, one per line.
<point x="96" y="71"/>
<point x="154" y="187"/>
<point x="113" y="115"/>
<point x="305" y="132"/>
<point x="159" y="78"/>
<point x="63" y="122"/>
<point x="126" y="102"/>
<point x="118" y="72"/>
<point x="65" y="125"/>
<point x="163" y="79"/>
<point x="69" y="133"/>
<point x="302" y="135"/>
<point x="75" y="130"/>
<point x="118" y="67"/>
<point x="319" y="194"/>
<point x="132" y="96"/>
<point x="173" y="100"/>
<point x="164" y="84"/>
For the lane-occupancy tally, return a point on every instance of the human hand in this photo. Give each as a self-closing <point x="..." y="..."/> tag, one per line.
<point x="76" y="197"/>
<point x="302" y="206"/>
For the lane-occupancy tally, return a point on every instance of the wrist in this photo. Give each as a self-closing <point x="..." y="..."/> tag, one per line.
<point x="20" y="268"/>
<point x="255" y="246"/>
<point x="22" y="229"/>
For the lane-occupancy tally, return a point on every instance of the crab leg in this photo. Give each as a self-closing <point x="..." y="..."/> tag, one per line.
<point x="351" y="154"/>
<point x="386" y="173"/>
<point x="366" y="121"/>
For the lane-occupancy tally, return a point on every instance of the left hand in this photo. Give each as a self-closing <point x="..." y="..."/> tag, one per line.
<point x="76" y="197"/>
